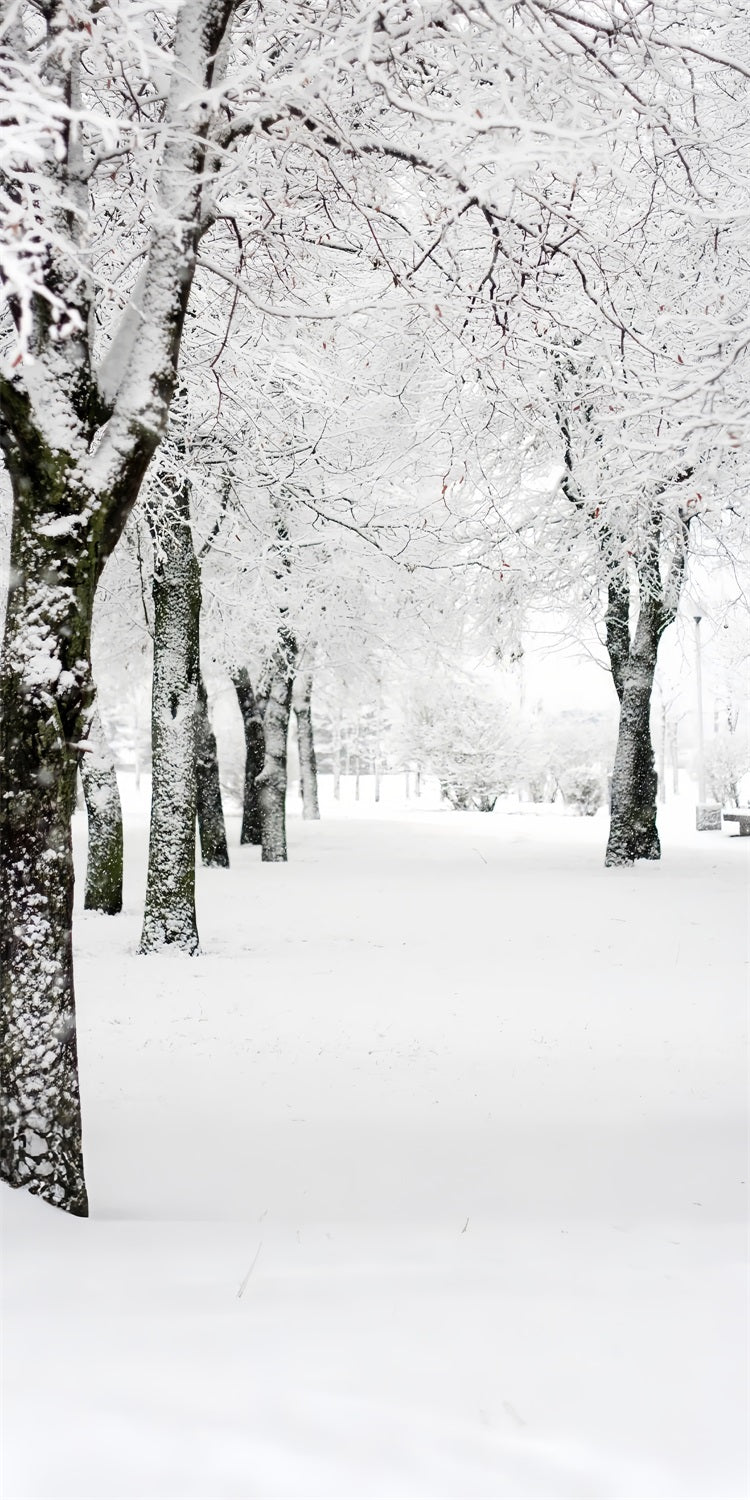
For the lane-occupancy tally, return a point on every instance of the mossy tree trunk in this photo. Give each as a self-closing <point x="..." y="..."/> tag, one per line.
<point x="104" y="813"/>
<point x="211" y="827"/>
<point x="271" y="784"/>
<point x="169" y="917"/>
<point x="252" y="724"/>
<point x="308" y="770"/>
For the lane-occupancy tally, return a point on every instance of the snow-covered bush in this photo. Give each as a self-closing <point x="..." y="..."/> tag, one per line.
<point x="727" y="762"/>
<point x="582" y="789"/>
<point x="463" y="733"/>
<point x="569" y="753"/>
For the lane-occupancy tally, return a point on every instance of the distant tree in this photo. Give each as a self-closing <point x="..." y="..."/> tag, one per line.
<point x="463" y="734"/>
<point x="104" y="870"/>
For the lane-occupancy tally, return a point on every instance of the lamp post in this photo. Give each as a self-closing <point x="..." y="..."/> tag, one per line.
<point x="699" y="705"/>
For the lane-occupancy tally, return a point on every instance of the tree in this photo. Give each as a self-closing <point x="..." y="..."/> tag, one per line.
<point x="302" y="704"/>
<point x="211" y="826"/>
<point x="461" y="731"/>
<point x="77" y="437"/>
<point x="105" y="842"/>
<point x="252" y="725"/>
<point x="169" y="916"/>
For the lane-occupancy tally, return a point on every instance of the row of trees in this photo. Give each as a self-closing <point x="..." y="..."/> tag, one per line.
<point x="464" y="284"/>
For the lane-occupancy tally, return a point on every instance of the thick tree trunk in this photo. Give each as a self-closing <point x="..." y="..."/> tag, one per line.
<point x="211" y="826"/>
<point x="44" y="688"/>
<point x="308" y="770"/>
<point x="633" y="834"/>
<point x="271" y="783"/>
<point x="104" y="811"/>
<point x="255" y="750"/>
<point x="169" y="916"/>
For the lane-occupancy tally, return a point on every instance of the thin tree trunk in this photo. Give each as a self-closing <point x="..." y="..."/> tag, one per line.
<point x="211" y="826"/>
<point x="308" y="770"/>
<point x="674" y="758"/>
<point x="252" y="724"/>
<point x="104" y="811"/>
<point x="272" y="781"/>
<point x="169" y="917"/>
<point x="336" y="757"/>
<point x="633" y="834"/>
<point x="44" y="687"/>
<point x="663" y="753"/>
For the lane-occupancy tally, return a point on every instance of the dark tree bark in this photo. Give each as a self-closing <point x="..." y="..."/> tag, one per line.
<point x="104" y="812"/>
<point x="255" y="750"/>
<point x="211" y="826"/>
<point x="77" y="444"/>
<point x="169" y="916"/>
<point x="301" y="699"/>
<point x="272" y="781"/>
<point x="633" y="832"/>
<point x="44" y="691"/>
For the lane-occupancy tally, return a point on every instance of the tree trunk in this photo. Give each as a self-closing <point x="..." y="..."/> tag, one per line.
<point x="104" y="811"/>
<point x="633" y="834"/>
<point x="255" y="750"/>
<point x="44" y="689"/>
<point x="663" y="753"/>
<point x="301" y="698"/>
<point x="169" y="916"/>
<point x="674" y="758"/>
<point x="211" y="826"/>
<point x="271" y="783"/>
<point x="336" y="757"/>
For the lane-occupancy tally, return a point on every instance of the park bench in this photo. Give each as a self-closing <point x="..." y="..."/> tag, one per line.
<point x="742" y="816"/>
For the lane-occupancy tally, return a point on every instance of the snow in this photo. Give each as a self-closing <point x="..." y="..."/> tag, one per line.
<point x="426" y="1178"/>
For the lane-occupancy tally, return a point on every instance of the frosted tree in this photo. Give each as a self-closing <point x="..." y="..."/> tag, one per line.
<point x="387" y="138"/>
<point x="77" y="438"/>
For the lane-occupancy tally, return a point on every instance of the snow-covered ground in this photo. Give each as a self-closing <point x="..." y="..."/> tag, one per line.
<point x="425" y="1179"/>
